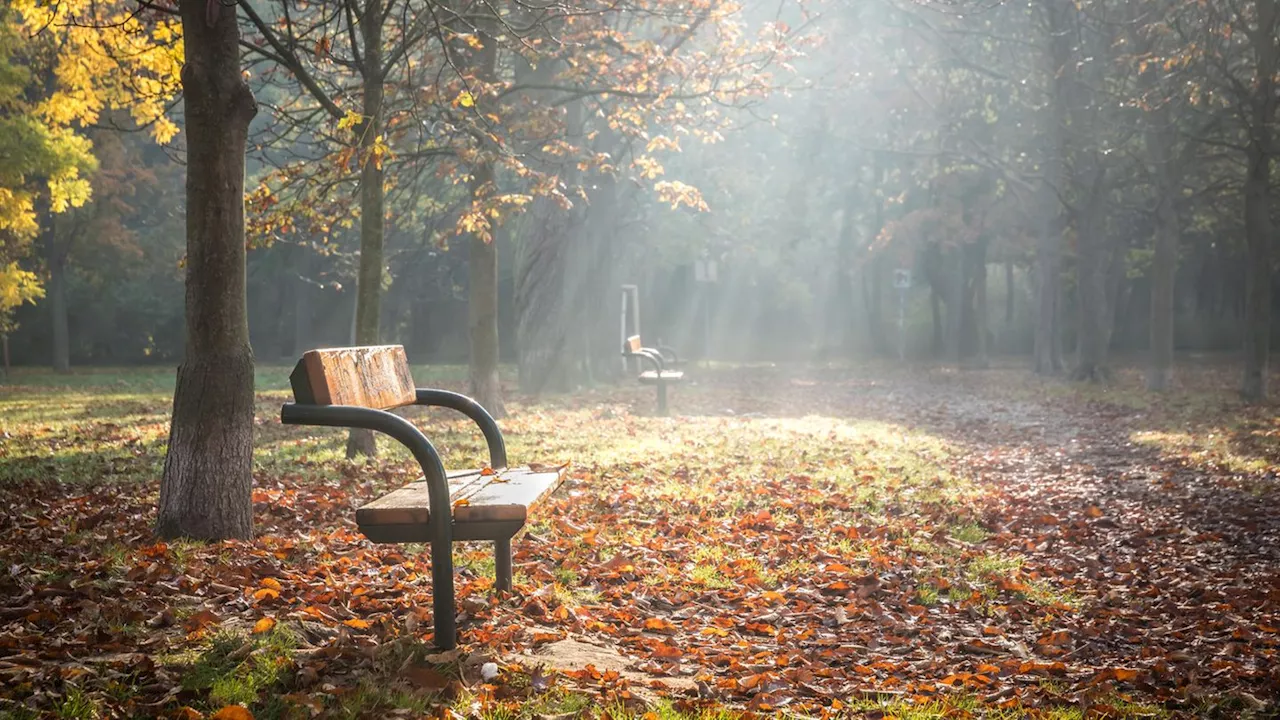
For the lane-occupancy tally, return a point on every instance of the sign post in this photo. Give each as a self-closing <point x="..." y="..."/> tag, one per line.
<point x="902" y="281"/>
<point x="630" y="320"/>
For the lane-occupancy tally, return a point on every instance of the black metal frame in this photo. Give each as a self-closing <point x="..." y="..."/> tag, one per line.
<point x="439" y="531"/>
<point x="654" y="356"/>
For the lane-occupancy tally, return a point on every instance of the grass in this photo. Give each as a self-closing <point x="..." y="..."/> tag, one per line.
<point x="236" y="669"/>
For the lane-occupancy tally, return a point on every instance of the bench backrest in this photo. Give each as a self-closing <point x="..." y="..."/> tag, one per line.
<point x="373" y="377"/>
<point x="633" y="344"/>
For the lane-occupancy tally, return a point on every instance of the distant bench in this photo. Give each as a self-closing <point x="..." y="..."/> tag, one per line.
<point x="354" y="387"/>
<point x="660" y="358"/>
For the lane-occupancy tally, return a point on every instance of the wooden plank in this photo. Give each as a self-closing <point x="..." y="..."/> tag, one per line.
<point x="374" y="377"/>
<point x="649" y="377"/>
<point x="508" y="500"/>
<point x="503" y="497"/>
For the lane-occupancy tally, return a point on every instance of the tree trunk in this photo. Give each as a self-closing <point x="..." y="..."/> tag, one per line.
<point x="1257" y="202"/>
<point x="369" y="279"/>
<point x="56" y="259"/>
<point x="482" y="308"/>
<point x="1008" y="293"/>
<point x="953" y="269"/>
<point x="206" y="490"/>
<point x="482" y="304"/>
<point x="1163" y="269"/>
<point x="1091" y="299"/>
<point x="875" y="290"/>
<point x="1257" y="309"/>
<point x="980" y="359"/>
<point x="302" y="297"/>
<point x="1047" y="355"/>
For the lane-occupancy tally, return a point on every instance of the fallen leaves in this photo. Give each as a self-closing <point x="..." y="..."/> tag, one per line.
<point x="801" y="563"/>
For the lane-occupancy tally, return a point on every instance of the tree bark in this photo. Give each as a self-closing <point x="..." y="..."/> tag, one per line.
<point x="1257" y="201"/>
<point x="1046" y="352"/>
<point x="1091" y="297"/>
<point x="482" y="305"/>
<point x="1257" y="309"/>
<point x="957" y="290"/>
<point x="56" y="259"/>
<point x="1008" y="292"/>
<point x="979" y="266"/>
<point x="482" y="308"/>
<point x="206" y="490"/>
<point x="1163" y="269"/>
<point x="372" y="191"/>
<point x="302" y="297"/>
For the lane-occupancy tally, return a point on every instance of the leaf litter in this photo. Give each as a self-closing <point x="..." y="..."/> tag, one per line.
<point x="800" y="540"/>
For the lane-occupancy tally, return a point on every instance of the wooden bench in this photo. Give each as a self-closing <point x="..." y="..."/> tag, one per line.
<point x="355" y="387"/>
<point x="659" y="376"/>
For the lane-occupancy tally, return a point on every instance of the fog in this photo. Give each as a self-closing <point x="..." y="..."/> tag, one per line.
<point x="941" y="182"/>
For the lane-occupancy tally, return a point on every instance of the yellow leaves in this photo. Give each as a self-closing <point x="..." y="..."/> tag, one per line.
<point x="350" y="120"/>
<point x="17" y="286"/>
<point x="356" y="623"/>
<point x="678" y="193"/>
<point x="17" y="214"/>
<point x="67" y="190"/>
<point x="648" y="167"/>
<point x="662" y="142"/>
<point x="106" y="58"/>
<point x="465" y="99"/>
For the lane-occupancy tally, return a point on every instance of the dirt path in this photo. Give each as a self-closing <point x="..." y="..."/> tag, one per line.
<point x="1172" y="562"/>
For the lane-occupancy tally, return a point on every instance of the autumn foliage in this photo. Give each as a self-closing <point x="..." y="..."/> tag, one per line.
<point x="867" y="544"/>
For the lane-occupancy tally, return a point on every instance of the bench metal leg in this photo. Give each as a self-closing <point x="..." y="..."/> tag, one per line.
<point x="502" y="563"/>
<point x="662" y="398"/>
<point x="442" y="594"/>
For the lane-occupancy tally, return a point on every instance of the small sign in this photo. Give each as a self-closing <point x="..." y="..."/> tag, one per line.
<point x="902" y="279"/>
<point x="704" y="270"/>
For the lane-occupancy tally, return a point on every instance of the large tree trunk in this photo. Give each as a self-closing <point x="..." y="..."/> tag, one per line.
<point x="1091" y="297"/>
<point x="957" y="291"/>
<point x="1008" y="293"/>
<point x="1163" y="269"/>
<point x="302" y="299"/>
<point x="369" y="279"/>
<point x="1257" y="202"/>
<point x="482" y="307"/>
<point x="979" y="267"/>
<point x="56" y="259"/>
<point x="482" y="300"/>
<point x="1257" y="309"/>
<point x="206" y="490"/>
<point x="1046" y="351"/>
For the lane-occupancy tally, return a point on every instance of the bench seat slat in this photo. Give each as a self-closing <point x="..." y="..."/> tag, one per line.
<point x="504" y="497"/>
<point x="650" y="377"/>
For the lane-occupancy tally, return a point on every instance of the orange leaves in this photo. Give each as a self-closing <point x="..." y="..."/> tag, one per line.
<point x="657" y="624"/>
<point x="199" y="621"/>
<point x="356" y="623"/>
<point x="263" y="625"/>
<point x="232" y="712"/>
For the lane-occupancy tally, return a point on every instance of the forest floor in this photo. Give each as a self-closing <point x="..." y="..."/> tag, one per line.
<point x="817" y="541"/>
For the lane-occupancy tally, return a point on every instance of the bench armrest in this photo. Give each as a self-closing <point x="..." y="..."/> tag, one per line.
<point x="397" y="427"/>
<point x="473" y="410"/>
<point x="669" y="352"/>
<point x="653" y="356"/>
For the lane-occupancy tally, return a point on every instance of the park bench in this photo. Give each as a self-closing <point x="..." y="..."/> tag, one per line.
<point x="356" y="387"/>
<point x="660" y="358"/>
